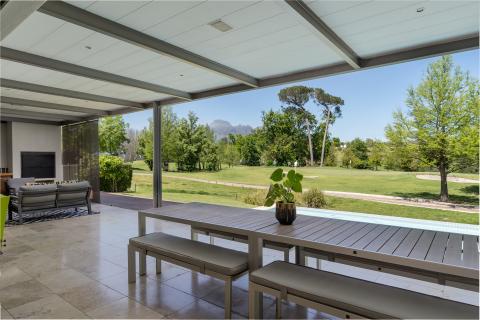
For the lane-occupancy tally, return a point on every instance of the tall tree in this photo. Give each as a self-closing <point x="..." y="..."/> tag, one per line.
<point x="112" y="134"/>
<point x="443" y="118"/>
<point x="295" y="98"/>
<point x="331" y="110"/>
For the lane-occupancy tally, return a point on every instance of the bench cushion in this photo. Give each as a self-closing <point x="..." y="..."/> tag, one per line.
<point x="222" y="260"/>
<point x="362" y="297"/>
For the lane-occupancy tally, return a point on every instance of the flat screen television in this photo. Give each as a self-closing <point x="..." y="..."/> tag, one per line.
<point x="38" y="164"/>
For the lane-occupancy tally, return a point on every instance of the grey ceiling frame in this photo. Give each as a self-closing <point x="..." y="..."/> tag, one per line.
<point x="52" y="106"/>
<point x="467" y="42"/>
<point x="32" y="87"/>
<point x="27" y="120"/>
<point x="13" y="13"/>
<point x="78" y="16"/>
<point x="57" y="65"/>
<point x="325" y="32"/>
<point x="4" y="111"/>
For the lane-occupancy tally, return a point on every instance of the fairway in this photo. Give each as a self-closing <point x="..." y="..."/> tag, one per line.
<point x="393" y="183"/>
<point x="334" y="178"/>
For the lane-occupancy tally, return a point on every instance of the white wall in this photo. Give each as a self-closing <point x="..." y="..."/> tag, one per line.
<point x="39" y="138"/>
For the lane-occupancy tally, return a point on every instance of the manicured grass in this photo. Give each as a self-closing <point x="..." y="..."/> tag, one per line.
<point x="393" y="183"/>
<point x="188" y="191"/>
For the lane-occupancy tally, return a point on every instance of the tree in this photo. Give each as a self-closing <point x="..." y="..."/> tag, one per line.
<point x="376" y="151"/>
<point x="295" y="98"/>
<point x="331" y="110"/>
<point x="359" y="150"/>
<point x="442" y="119"/>
<point x="168" y="141"/>
<point x="112" y="133"/>
<point x="249" y="150"/>
<point x="132" y="146"/>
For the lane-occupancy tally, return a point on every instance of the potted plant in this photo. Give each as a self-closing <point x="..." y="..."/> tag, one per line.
<point x="281" y="193"/>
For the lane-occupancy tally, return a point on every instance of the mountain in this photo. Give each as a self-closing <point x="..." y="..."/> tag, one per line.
<point x="223" y="128"/>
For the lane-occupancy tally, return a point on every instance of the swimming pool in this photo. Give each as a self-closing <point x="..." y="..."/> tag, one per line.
<point x="389" y="220"/>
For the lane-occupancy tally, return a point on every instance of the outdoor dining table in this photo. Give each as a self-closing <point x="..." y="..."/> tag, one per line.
<point x="439" y="255"/>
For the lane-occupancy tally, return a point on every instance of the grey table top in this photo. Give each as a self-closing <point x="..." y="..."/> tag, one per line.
<point x="433" y="251"/>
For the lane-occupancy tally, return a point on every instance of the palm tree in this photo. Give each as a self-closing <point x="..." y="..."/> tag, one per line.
<point x="331" y="110"/>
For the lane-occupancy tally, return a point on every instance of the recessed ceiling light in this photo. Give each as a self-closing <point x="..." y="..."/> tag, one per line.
<point x="420" y="10"/>
<point x="88" y="47"/>
<point x="220" y="25"/>
<point x="181" y="75"/>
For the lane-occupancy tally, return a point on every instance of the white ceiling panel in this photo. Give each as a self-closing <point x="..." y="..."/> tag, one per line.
<point x="21" y="94"/>
<point x="71" y="82"/>
<point x="45" y="110"/>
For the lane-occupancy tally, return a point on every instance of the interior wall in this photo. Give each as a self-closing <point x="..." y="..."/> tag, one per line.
<point x="39" y="138"/>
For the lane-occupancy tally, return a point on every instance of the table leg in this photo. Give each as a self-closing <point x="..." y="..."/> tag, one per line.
<point x="255" y="261"/>
<point x="142" y="257"/>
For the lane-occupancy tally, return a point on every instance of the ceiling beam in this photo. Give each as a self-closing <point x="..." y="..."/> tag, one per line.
<point x="78" y="16"/>
<point x="468" y="42"/>
<point x="13" y="13"/>
<point x="57" y="65"/>
<point x="32" y="87"/>
<point x="5" y="111"/>
<point x="51" y="106"/>
<point x="322" y="30"/>
<point x="16" y="119"/>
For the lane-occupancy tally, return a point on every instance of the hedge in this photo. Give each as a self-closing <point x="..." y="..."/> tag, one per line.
<point x="115" y="175"/>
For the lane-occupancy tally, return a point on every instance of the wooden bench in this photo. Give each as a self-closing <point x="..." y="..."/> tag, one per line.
<point x="218" y="262"/>
<point x="347" y="297"/>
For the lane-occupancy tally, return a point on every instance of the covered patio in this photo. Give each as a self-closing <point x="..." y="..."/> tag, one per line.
<point x="65" y="64"/>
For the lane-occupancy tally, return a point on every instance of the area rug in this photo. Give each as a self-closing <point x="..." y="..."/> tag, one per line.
<point x="48" y="216"/>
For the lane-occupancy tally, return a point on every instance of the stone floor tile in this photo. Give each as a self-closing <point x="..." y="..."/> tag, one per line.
<point x="4" y="314"/>
<point x="124" y="308"/>
<point x="12" y="275"/>
<point x="50" y="307"/>
<point x="91" y="296"/>
<point x="64" y="280"/>
<point x="22" y="292"/>
<point x="196" y="284"/>
<point x="202" y="310"/>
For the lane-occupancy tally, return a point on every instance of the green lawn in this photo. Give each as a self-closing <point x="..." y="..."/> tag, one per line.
<point x="187" y="191"/>
<point x="340" y="179"/>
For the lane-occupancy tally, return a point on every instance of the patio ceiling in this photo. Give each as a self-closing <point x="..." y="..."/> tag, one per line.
<point x="70" y="61"/>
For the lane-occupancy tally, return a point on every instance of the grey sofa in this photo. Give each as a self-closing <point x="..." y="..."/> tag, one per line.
<point x="50" y="197"/>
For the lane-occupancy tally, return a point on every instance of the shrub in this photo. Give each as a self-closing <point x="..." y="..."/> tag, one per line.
<point x="256" y="197"/>
<point x="314" y="198"/>
<point x="115" y="175"/>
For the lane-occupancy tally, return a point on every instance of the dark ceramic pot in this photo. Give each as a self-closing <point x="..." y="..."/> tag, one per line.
<point x="285" y="213"/>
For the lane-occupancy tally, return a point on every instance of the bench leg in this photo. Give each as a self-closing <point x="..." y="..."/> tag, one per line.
<point x="193" y="235"/>
<point x="228" y="298"/>
<point x="131" y="264"/>
<point x="252" y="308"/>
<point x="278" y="308"/>
<point x="158" y="266"/>
<point x="142" y="263"/>
<point x="286" y="255"/>
<point x="299" y="256"/>
<point x="212" y="240"/>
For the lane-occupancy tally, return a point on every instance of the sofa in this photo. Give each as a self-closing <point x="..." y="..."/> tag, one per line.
<point x="46" y="198"/>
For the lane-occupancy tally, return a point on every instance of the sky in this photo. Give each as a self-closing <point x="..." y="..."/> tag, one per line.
<point x="371" y="96"/>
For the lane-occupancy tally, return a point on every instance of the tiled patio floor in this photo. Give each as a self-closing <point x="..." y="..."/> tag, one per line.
<point x="77" y="268"/>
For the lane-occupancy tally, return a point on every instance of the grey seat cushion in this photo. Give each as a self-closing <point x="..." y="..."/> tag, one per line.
<point x="73" y="193"/>
<point x="15" y="183"/>
<point x="362" y="297"/>
<point x="222" y="260"/>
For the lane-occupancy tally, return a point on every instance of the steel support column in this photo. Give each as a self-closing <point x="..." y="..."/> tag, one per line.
<point x="157" y="156"/>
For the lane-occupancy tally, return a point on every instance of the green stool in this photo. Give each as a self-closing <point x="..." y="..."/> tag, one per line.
<point x="3" y="216"/>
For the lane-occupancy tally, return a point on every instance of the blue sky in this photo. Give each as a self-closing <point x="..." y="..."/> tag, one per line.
<point x="370" y="98"/>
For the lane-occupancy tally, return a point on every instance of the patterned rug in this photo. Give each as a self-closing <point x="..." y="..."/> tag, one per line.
<point x="48" y="216"/>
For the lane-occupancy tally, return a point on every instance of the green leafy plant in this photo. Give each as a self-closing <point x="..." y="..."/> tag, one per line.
<point x="115" y="175"/>
<point x="314" y="198"/>
<point x="285" y="184"/>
